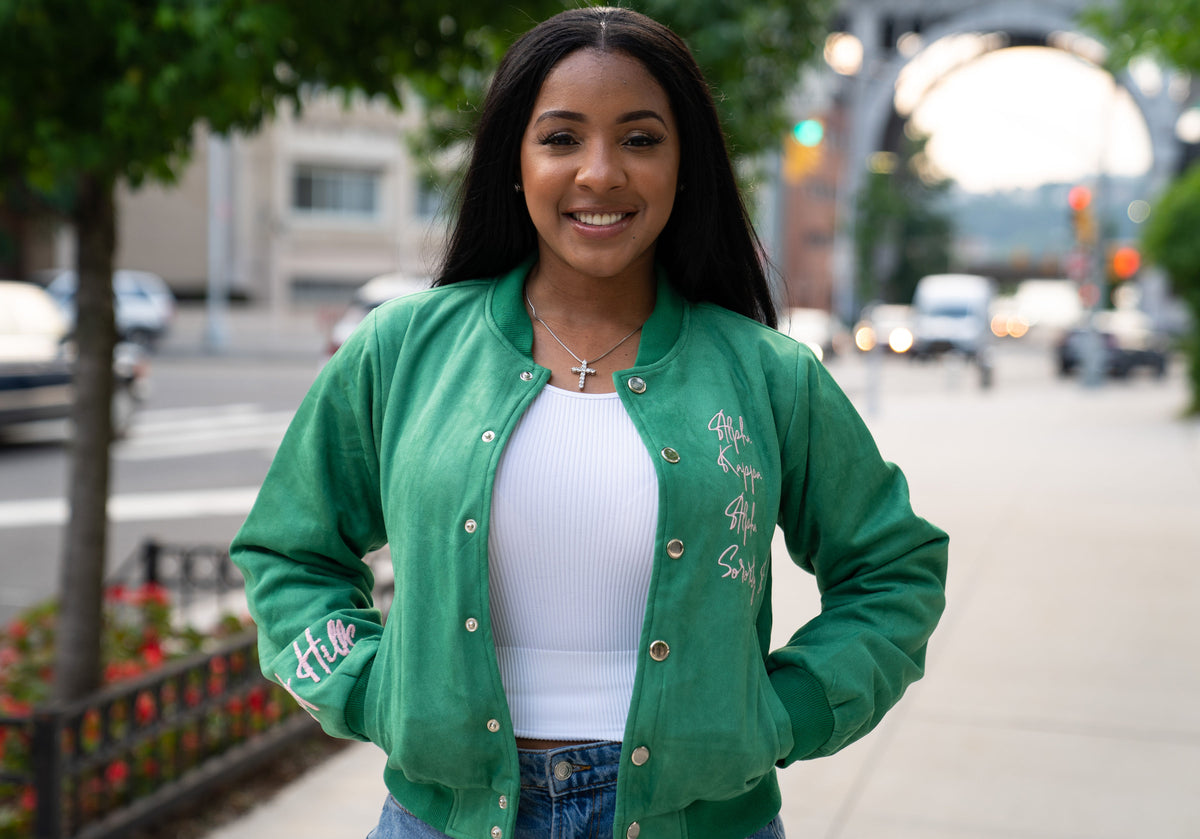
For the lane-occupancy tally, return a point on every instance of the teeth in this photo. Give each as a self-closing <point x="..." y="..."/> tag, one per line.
<point x="599" y="219"/>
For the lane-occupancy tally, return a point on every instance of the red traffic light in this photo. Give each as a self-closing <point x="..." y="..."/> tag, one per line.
<point x="1079" y="198"/>
<point x="1125" y="262"/>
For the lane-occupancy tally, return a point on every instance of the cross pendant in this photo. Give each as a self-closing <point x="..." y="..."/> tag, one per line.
<point x="584" y="371"/>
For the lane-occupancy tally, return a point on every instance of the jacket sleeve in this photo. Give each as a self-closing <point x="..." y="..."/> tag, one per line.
<point x="881" y="570"/>
<point x="301" y="549"/>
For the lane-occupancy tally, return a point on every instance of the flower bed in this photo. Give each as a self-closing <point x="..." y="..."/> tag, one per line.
<point x="173" y="699"/>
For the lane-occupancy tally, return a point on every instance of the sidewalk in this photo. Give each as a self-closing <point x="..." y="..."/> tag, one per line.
<point x="1061" y="696"/>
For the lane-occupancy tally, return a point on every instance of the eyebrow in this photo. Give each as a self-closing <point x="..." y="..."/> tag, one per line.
<point x="575" y="116"/>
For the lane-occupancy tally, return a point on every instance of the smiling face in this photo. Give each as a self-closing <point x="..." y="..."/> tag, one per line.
<point x="599" y="166"/>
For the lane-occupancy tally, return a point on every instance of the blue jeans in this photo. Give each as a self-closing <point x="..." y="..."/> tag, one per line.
<point x="566" y="793"/>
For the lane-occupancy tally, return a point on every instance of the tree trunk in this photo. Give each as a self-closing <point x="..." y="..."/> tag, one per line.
<point x="81" y="572"/>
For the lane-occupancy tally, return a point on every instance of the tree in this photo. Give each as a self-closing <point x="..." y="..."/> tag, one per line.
<point x="98" y="92"/>
<point x="1170" y="240"/>
<point x="1165" y="32"/>
<point x="93" y="92"/>
<point x="901" y="235"/>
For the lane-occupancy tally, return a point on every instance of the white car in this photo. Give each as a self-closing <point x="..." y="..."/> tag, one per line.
<point x="37" y="360"/>
<point x="372" y="293"/>
<point x="145" y="305"/>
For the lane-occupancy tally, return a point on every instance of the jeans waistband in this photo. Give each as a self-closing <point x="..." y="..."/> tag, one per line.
<point x="570" y="768"/>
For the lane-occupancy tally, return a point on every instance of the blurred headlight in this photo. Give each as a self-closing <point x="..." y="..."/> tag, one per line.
<point x="901" y="340"/>
<point x="864" y="337"/>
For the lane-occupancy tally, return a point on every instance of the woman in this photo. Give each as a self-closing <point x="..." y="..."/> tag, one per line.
<point x="578" y="448"/>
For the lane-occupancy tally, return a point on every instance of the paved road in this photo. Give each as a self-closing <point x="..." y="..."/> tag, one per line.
<point x="1061" y="696"/>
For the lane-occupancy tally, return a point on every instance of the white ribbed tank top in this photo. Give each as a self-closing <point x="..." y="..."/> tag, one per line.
<point x="571" y="543"/>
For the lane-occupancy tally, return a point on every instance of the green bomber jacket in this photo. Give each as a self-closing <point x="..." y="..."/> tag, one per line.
<point x="397" y="443"/>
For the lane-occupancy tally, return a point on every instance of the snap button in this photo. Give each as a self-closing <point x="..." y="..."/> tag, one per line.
<point x="489" y="436"/>
<point x="504" y="802"/>
<point x="470" y="525"/>
<point x="563" y="770"/>
<point x="634" y="831"/>
<point x="670" y="455"/>
<point x="497" y="833"/>
<point x="526" y="376"/>
<point x="493" y="725"/>
<point x="637" y="384"/>
<point x="659" y="650"/>
<point x="640" y="755"/>
<point x="675" y="549"/>
<point x="472" y="624"/>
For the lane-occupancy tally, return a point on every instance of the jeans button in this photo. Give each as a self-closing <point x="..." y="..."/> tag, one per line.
<point x="563" y="770"/>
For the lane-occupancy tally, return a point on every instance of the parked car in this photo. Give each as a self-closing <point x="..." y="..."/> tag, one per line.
<point x="369" y="295"/>
<point x="816" y="328"/>
<point x="1127" y="342"/>
<point x="889" y="324"/>
<point x="145" y="305"/>
<point x="37" y="359"/>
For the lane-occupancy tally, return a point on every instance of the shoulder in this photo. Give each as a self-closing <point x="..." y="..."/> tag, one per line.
<point x="429" y="309"/>
<point x="716" y="324"/>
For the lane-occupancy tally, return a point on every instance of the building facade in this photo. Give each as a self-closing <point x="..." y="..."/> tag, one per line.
<point x="301" y="212"/>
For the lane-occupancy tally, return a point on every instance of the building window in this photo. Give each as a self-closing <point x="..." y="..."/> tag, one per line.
<point x="336" y="191"/>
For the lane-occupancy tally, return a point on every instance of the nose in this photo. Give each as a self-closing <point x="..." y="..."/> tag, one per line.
<point x="600" y="168"/>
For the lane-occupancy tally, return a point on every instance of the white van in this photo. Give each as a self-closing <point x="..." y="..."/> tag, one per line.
<point x="951" y="314"/>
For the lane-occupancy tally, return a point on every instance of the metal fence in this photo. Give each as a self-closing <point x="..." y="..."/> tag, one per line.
<point x="135" y="752"/>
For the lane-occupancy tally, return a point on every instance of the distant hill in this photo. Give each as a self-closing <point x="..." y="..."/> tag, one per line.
<point x="1033" y="226"/>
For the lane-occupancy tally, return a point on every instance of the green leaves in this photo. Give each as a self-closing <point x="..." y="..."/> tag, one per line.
<point x="116" y="88"/>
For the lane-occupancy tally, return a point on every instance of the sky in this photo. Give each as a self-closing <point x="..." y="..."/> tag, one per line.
<point x="1020" y="117"/>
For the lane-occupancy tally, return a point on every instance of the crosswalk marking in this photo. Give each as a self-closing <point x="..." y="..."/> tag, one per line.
<point x="194" y="432"/>
<point x="135" y="506"/>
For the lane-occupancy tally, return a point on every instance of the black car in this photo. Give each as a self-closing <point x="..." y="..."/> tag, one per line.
<point x="1126" y="344"/>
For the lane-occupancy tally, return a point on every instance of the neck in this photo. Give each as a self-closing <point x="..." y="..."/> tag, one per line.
<point x="586" y="302"/>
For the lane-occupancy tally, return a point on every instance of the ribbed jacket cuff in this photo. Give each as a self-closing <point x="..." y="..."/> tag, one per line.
<point x="356" y="703"/>
<point x="808" y="707"/>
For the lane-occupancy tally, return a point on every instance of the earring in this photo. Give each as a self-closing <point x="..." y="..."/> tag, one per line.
<point x="516" y="187"/>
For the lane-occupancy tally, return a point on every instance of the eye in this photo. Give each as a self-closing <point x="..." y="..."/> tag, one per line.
<point x="644" y="139"/>
<point x="557" y="138"/>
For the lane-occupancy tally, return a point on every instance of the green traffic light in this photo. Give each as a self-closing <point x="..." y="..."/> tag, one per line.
<point x="809" y="132"/>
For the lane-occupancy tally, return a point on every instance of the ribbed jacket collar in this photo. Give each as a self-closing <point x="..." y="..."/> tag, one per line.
<point x="511" y="317"/>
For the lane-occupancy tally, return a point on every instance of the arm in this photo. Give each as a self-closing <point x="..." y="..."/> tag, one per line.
<point x="318" y="513"/>
<point x="880" y="568"/>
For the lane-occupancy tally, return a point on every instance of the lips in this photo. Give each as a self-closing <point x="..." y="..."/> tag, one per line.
<point x="598" y="219"/>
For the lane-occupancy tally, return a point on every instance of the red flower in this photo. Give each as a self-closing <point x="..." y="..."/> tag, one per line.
<point x="14" y="707"/>
<point x="28" y="799"/>
<point x="152" y="653"/>
<point x="257" y="698"/>
<point x="145" y="708"/>
<point x="116" y="772"/>
<point x="115" y="671"/>
<point x="18" y="630"/>
<point x="117" y="594"/>
<point x="152" y="593"/>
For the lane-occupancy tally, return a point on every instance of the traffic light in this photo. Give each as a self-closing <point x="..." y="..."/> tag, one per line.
<point x="1125" y="262"/>
<point x="1083" y="222"/>
<point x="802" y="149"/>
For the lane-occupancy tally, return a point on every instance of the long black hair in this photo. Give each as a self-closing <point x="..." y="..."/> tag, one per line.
<point x="708" y="246"/>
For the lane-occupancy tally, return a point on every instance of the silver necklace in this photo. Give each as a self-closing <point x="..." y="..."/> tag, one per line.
<point x="583" y="369"/>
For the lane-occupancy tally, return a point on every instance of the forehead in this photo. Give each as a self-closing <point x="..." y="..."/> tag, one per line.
<point x="597" y="77"/>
